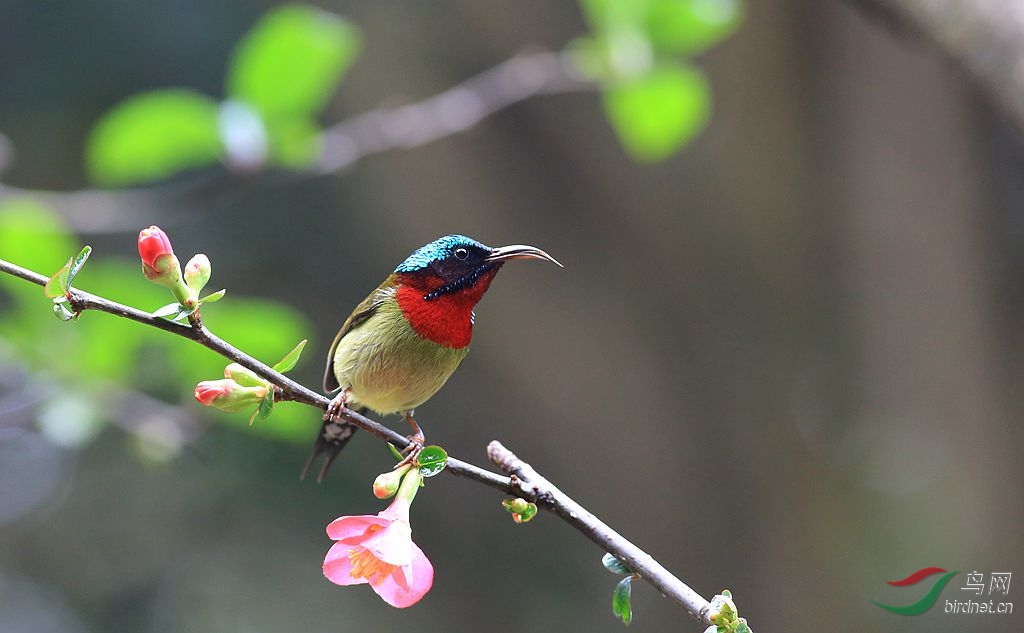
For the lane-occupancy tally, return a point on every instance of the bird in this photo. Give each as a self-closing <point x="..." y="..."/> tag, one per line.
<point x="402" y="343"/>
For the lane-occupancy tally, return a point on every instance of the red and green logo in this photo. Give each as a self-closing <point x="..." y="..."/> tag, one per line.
<point x="929" y="598"/>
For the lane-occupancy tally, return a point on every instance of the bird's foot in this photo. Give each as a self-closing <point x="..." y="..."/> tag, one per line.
<point x="336" y="407"/>
<point x="415" y="445"/>
<point x="417" y="439"/>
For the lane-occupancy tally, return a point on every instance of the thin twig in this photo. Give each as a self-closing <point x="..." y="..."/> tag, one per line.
<point x="455" y="110"/>
<point x="535" y="487"/>
<point x="523" y="480"/>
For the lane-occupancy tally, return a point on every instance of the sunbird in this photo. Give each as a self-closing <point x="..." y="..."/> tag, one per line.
<point x="403" y="342"/>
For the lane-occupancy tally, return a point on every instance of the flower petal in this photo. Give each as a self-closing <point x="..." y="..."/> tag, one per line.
<point x="338" y="566"/>
<point x="393" y="544"/>
<point x="416" y="581"/>
<point x="347" y="527"/>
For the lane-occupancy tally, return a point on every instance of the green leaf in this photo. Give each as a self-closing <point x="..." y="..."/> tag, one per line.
<point x="431" y="460"/>
<point x="57" y="285"/>
<point x="266" y="406"/>
<point x="395" y="452"/>
<point x="614" y="565"/>
<point x="690" y="27"/>
<point x="167" y="310"/>
<point x="288" y="65"/>
<point x="215" y="297"/>
<point x="154" y="135"/>
<point x="656" y="113"/>
<point x="36" y="238"/>
<point x="77" y="262"/>
<point x="60" y="283"/>
<point x="288" y="362"/>
<point x="527" y="514"/>
<point x="63" y="312"/>
<point x="620" y="600"/>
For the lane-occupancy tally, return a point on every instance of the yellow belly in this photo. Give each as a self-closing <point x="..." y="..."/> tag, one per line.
<point x="387" y="368"/>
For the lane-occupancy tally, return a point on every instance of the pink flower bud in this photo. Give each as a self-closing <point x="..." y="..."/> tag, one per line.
<point x="387" y="484"/>
<point x="153" y="243"/>
<point x="228" y="395"/>
<point x="160" y="265"/>
<point x="197" y="273"/>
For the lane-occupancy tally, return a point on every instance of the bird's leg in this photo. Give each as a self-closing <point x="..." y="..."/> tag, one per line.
<point x="417" y="439"/>
<point x="337" y="405"/>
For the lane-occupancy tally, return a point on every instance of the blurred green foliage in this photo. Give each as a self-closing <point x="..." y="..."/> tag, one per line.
<point x="283" y="72"/>
<point x="87" y="358"/>
<point x="153" y="135"/>
<point x="281" y="75"/>
<point x="655" y="100"/>
<point x="288" y="66"/>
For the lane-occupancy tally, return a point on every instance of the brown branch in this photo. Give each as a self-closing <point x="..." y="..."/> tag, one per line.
<point x="523" y="480"/>
<point x="535" y="487"/>
<point x="984" y="37"/>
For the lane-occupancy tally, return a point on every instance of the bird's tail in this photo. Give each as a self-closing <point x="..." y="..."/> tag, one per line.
<point x="334" y="435"/>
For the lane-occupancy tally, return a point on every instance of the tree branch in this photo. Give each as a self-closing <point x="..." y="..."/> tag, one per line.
<point x="523" y="480"/>
<point x="984" y="37"/>
<point x="454" y="110"/>
<point x="538" y="489"/>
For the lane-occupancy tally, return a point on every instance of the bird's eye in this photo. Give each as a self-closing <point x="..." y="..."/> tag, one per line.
<point x="461" y="253"/>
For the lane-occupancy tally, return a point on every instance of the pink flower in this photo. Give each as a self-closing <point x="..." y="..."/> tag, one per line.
<point x="378" y="549"/>
<point x="153" y="243"/>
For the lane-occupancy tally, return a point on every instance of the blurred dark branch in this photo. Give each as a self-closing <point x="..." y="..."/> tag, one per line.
<point x="454" y="110"/>
<point x="984" y="37"/>
<point x="345" y="143"/>
<point x="523" y="480"/>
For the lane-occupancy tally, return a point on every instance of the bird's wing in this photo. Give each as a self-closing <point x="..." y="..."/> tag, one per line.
<point x="359" y="316"/>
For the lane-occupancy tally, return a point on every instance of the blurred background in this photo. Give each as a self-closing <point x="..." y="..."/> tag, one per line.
<point x="784" y="357"/>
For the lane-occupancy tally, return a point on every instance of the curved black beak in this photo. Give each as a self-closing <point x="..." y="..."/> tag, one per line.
<point x="519" y="251"/>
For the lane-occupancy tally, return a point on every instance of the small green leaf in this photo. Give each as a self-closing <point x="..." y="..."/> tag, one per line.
<point x="431" y="460"/>
<point x="154" y="135"/>
<point x="57" y="286"/>
<point x="615" y="565"/>
<point x="517" y="505"/>
<point x="658" y="112"/>
<point x="167" y="310"/>
<point x="527" y="514"/>
<point x="266" y="405"/>
<point x="620" y="600"/>
<point x="182" y="314"/>
<point x="215" y="297"/>
<point x="76" y="264"/>
<point x="690" y="27"/>
<point x="62" y="311"/>
<point x="288" y="362"/>
<point x="395" y="452"/>
<point x="289" y="63"/>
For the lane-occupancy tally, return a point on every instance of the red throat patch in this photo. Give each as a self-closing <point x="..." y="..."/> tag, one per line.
<point x="446" y="320"/>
